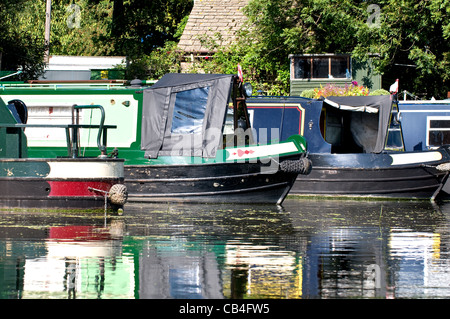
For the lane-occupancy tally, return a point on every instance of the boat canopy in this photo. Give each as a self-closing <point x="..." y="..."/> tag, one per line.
<point x="183" y="114"/>
<point x="369" y="125"/>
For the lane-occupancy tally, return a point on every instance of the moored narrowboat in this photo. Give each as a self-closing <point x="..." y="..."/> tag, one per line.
<point x="358" y="146"/>
<point x="186" y="138"/>
<point x="70" y="181"/>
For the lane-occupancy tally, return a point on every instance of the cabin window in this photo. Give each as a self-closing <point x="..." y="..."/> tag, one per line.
<point x="189" y="111"/>
<point x="321" y="67"/>
<point x="394" y="138"/>
<point x="438" y="130"/>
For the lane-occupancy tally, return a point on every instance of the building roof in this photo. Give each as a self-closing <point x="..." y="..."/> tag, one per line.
<point x="209" y="17"/>
<point x="87" y="63"/>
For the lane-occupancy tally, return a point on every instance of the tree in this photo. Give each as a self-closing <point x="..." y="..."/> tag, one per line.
<point x="277" y="28"/>
<point x="410" y="38"/>
<point x="412" y="41"/>
<point x="139" y="27"/>
<point x="130" y="28"/>
<point x="19" y="49"/>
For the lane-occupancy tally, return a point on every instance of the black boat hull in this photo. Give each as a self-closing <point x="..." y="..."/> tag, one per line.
<point x="372" y="175"/>
<point x="209" y="183"/>
<point x="68" y="183"/>
<point x="36" y="202"/>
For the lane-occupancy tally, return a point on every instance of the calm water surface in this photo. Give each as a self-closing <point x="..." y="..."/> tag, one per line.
<point x="305" y="249"/>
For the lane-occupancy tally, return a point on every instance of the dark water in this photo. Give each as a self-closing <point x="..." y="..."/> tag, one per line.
<point x="305" y="249"/>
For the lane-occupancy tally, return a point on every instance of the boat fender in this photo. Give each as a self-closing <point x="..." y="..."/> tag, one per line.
<point x="118" y="194"/>
<point x="445" y="167"/>
<point x="300" y="166"/>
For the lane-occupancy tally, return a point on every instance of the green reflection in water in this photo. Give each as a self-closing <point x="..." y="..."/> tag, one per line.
<point x="305" y="249"/>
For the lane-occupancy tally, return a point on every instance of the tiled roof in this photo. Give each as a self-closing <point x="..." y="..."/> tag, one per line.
<point x="209" y="17"/>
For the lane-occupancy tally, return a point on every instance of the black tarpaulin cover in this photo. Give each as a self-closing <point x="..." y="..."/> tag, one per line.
<point x="183" y="114"/>
<point x="380" y="104"/>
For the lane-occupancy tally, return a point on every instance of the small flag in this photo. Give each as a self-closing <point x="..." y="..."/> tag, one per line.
<point x="241" y="77"/>
<point x="394" y="87"/>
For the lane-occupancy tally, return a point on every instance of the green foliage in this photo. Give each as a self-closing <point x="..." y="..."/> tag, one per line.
<point x="160" y="61"/>
<point x="410" y="38"/>
<point x="77" y="28"/>
<point x="82" y="30"/>
<point x="380" y="92"/>
<point x="130" y="28"/>
<point x="139" y="27"/>
<point x="264" y="73"/>
<point x="412" y="43"/>
<point x="18" y="48"/>
<point x="181" y="27"/>
<point x="310" y="94"/>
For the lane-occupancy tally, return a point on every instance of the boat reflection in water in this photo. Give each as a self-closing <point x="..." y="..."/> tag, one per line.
<point x="72" y="262"/>
<point x="328" y="249"/>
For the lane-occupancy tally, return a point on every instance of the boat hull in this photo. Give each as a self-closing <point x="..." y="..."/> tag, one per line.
<point x="58" y="183"/>
<point x="219" y="183"/>
<point x="374" y="175"/>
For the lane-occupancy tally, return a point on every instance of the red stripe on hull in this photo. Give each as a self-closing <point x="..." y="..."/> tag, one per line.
<point x="81" y="233"/>
<point x="78" y="188"/>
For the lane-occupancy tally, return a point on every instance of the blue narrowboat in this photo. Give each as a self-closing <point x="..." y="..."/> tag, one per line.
<point x="426" y="124"/>
<point x="362" y="146"/>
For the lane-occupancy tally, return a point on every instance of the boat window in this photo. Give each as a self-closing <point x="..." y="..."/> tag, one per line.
<point x="438" y="130"/>
<point x="189" y="111"/>
<point x="394" y="138"/>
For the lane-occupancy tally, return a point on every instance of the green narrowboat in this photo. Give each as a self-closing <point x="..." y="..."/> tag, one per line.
<point x="68" y="181"/>
<point x="185" y="138"/>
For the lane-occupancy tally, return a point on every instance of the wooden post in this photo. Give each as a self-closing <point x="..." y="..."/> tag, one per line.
<point x="48" y="14"/>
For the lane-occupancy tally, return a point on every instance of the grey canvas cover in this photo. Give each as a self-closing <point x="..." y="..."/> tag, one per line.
<point x="183" y="114"/>
<point x="369" y="125"/>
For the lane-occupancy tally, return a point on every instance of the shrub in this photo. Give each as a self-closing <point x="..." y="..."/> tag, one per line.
<point x="308" y="93"/>
<point x="379" y="92"/>
<point x="348" y="90"/>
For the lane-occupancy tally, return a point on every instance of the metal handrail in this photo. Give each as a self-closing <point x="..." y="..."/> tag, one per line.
<point x="72" y="143"/>
<point x="101" y="147"/>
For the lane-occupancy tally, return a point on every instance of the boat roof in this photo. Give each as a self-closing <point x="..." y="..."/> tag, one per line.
<point x="370" y="104"/>
<point x="178" y="79"/>
<point x="183" y="114"/>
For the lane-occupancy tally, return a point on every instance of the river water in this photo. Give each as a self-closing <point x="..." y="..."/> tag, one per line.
<point x="309" y="249"/>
